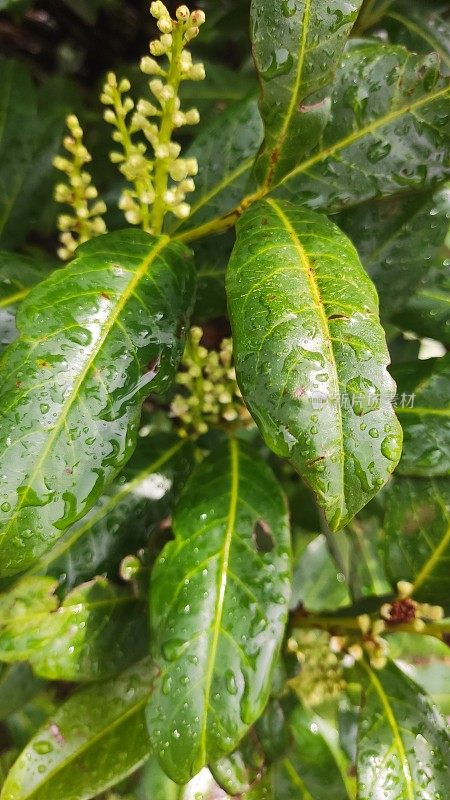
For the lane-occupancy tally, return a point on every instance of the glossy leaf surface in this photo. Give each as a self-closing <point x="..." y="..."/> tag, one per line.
<point x="311" y="355"/>
<point x="313" y="758"/>
<point x="225" y="150"/>
<point x="218" y="604"/>
<point x="421" y="28"/>
<point x="424" y="413"/>
<point x="403" y="743"/>
<point x="297" y="44"/>
<point x="399" y="240"/>
<point x="97" y="630"/>
<point x="80" y="752"/>
<point x="427" y="312"/>
<point x="17" y="275"/>
<point x="417" y="536"/>
<point x="73" y="383"/>
<point x="211" y="258"/>
<point x="17" y="115"/>
<point x="389" y="131"/>
<point x="17" y="686"/>
<point x="124" y="518"/>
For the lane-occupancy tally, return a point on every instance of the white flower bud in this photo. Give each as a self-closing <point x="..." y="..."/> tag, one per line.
<point x="191" y="33"/>
<point x="167" y="93"/>
<point x="166" y="27"/>
<point x="156" y="48"/>
<point x="169" y="197"/>
<point x="62" y="164"/>
<point x="174" y="150"/>
<point x="185" y="61"/>
<point x="109" y="116"/>
<point x="156" y="86"/>
<point x="158" y="9"/>
<point x="106" y="99"/>
<point x="150" y="67"/>
<point x="187" y="185"/>
<point x="192" y="116"/>
<point x="161" y="151"/>
<point x="198" y="17"/>
<point x="128" y="105"/>
<point x="197" y="72"/>
<point x="192" y="166"/>
<point x="182" y="211"/>
<point x="182" y="13"/>
<point x="178" y="170"/>
<point x="178" y="119"/>
<point x="148" y="196"/>
<point x="111" y="80"/>
<point x="98" y="225"/>
<point x="133" y="217"/>
<point x="124" y="85"/>
<point x="90" y="194"/>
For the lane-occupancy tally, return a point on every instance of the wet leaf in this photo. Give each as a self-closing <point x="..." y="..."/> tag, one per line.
<point x="225" y="150"/>
<point x="403" y="743"/>
<point x="80" y="751"/>
<point x="297" y="45"/>
<point x="421" y="28"/>
<point x="417" y="536"/>
<point x="17" y="275"/>
<point x="217" y="611"/>
<point x="73" y="383"/>
<point x="17" y="686"/>
<point x="424" y="411"/>
<point x="389" y="131"/>
<point x="316" y="758"/>
<point x="32" y="122"/>
<point x="125" y="517"/>
<point x="97" y="631"/>
<point x="211" y="257"/>
<point x="427" y="312"/>
<point x="399" y="240"/>
<point x="311" y="355"/>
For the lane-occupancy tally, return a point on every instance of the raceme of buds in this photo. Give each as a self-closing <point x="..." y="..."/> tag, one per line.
<point x="211" y="396"/>
<point x="147" y="156"/>
<point x="79" y="193"/>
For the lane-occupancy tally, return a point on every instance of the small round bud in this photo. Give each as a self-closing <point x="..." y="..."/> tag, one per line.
<point x="197" y="72"/>
<point x="149" y="66"/>
<point x="109" y="116"/>
<point x="158" y="9"/>
<point x="182" y="13"/>
<point x="130" y="567"/>
<point x="182" y="210"/>
<point x="124" y="85"/>
<point x="198" y="17"/>
<point x="157" y="48"/>
<point x="192" y="117"/>
<point x="165" y="26"/>
<point x="111" y="80"/>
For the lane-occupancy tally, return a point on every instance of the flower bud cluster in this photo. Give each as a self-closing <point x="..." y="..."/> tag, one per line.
<point x="321" y="675"/>
<point x="211" y="396"/>
<point x="150" y="124"/>
<point x="79" y="193"/>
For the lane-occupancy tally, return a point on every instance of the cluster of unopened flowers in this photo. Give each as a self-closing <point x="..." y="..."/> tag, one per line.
<point x="402" y="610"/>
<point x="85" y="219"/>
<point x="138" y="126"/>
<point x="154" y="123"/>
<point x="211" y="395"/>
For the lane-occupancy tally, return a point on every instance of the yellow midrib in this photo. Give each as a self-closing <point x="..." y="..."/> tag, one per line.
<point x="394" y="728"/>
<point x="14" y="298"/>
<point x="109" y="324"/>
<point x="218" y="612"/>
<point x="432" y="561"/>
<point x="309" y="272"/>
<point x="359" y="134"/>
<point x="295" y="89"/>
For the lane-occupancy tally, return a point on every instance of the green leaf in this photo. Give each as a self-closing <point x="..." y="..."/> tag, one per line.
<point x="33" y="123"/>
<point x="218" y="604"/>
<point x="125" y="517"/>
<point x="297" y="45"/>
<point x="420" y="27"/>
<point x="398" y="240"/>
<point x="311" y="355"/>
<point x="80" y="752"/>
<point x="427" y="312"/>
<point x="211" y="257"/>
<point x="417" y="536"/>
<point x="17" y="118"/>
<point x="17" y="275"/>
<point x="24" y="723"/>
<point x="318" y="583"/>
<point x="389" y="131"/>
<point x="423" y="408"/>
<point x="315" y="757"/>
<point x="17" y="686"/>
<point x="97" y="631"/>
<point x="73" y="383"/>
<point x="403" y="744"/>
<point x="226" y="150"/>
<point x="425" y="661"/>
